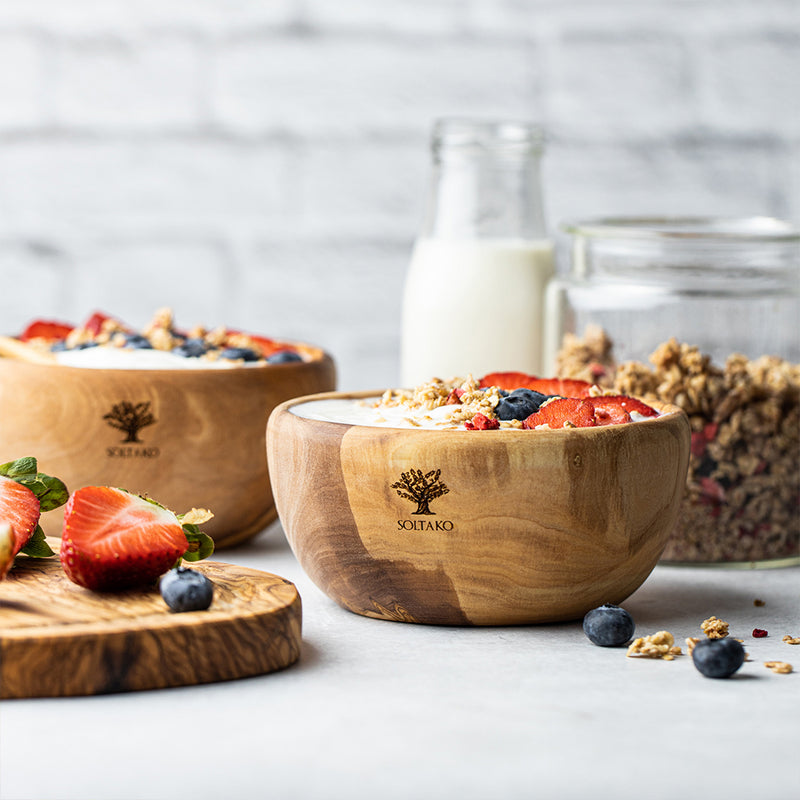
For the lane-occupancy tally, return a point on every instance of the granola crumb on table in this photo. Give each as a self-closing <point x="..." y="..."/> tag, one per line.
<point x="714" y="628"/>
<point x="780" y="667"/>
<point x="742" y="499"/>
<point x="657" y="645"/>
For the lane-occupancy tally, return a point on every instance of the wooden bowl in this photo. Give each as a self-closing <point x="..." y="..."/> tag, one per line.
<point x="525" y="527"/>
<point x="200" y="442"/>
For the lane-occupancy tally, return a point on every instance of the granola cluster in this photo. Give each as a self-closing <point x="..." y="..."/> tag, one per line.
<point x="466" y="394"/>
<point x="742" y="500"/>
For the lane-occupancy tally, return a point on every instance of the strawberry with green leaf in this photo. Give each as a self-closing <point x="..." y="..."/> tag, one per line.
<point x="25" y="493"/>
<point x="113" y="539"/>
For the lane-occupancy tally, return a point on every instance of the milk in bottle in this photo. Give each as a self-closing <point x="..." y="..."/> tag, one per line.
<point x="473" y="298"/>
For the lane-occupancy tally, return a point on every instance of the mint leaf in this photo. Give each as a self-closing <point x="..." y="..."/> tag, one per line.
<point x="36" y="546"/>
<point x="201" y="545"/>
<point x="22" y="467"/>
<point x="50" y="491"/>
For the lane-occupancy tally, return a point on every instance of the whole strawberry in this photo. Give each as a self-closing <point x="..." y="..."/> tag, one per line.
<point x="113" y="539"/>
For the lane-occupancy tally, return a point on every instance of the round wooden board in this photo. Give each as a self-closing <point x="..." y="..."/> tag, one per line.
<point x="58" y="639"/>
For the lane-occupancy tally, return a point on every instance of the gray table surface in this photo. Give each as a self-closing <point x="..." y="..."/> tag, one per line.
<point x="389" y="710"/>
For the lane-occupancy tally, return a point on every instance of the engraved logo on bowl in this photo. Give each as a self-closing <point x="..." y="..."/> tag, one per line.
<point x="422" y="488"/>
<point x="130" y="418"/>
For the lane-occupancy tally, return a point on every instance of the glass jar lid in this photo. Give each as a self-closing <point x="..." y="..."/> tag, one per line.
<point x="687" y="228"/>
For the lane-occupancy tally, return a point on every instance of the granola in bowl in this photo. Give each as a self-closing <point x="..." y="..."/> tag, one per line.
<point x="742" y="499"/>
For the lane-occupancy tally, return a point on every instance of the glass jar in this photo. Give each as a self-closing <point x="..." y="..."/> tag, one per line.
<point x="474" y="292"/>
<point x="703" y="313"/>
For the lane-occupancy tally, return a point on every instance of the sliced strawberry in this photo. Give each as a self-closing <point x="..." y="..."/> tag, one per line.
<point x="610" y="414"/>
<point x="563" y="387"/>
<point x="113" y="539"/>
<point x="609" y="410"/>
<point x="45" y="329"/>
<point x="95" y="322"/>
<point x="19" y="508"/>
<point x="270" y="346"/>
<point x="507" y="380"/>
<point x="621" y="401"/>
<point x="563" y="412"/>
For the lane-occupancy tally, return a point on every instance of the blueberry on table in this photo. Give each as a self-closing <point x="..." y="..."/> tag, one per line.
<point x="519" y="404"/>
<point x="191" y="348"/>
<point x="239" y="354"/>
<point x="608" y="626"/>
<point x="284" y="357"/>
<point x="718" y="658"/>
<point x="186" y="589"/>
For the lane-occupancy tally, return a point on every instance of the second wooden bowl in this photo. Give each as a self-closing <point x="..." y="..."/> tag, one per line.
<point x="191" y="437"/>
<point x="476" y="527"/>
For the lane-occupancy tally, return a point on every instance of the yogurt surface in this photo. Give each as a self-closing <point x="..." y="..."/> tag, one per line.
<point x="469" y="404"/>
<point x="124" y="358"/>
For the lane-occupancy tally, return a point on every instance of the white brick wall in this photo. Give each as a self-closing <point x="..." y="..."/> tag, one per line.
<point x="264" y="164"/>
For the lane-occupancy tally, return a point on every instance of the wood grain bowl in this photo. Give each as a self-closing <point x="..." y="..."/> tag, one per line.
<point x="200" y="444"/>
<point x="534" y="526"/>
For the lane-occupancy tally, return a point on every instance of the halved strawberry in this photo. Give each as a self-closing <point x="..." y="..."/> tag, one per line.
<point x="47" y="329"/>
<point x="25" y="493"/>
<point x="6" y="548"/>
<point x="624" y="403"/>
<point x="563" y="387"/>
<point x="113" y="539"/>
<point x="19" y="508"/>
<point x="563" y="412"/>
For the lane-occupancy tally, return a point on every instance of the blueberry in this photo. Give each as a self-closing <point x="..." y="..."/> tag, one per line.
<point x="608" y="626"/>
<point x="135" y="341"/>
<point x="284" y="357"/>
<point x="186" y="589"/>
<point x="519" y="404"/>
<point x="718" y="658"/>
<point x="191" y="348"/>
<point x="85" y="345"/>
<point x="239" y="354"/>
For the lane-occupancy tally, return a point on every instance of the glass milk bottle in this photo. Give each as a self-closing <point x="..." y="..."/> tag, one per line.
<point x="473" y="300"/>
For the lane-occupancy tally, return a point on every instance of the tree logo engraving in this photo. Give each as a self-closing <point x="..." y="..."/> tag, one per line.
<point x="421" y="488"/>
<point x="130" y="418"/>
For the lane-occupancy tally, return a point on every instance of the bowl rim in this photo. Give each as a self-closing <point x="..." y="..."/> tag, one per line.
<point x="667" y="411"/>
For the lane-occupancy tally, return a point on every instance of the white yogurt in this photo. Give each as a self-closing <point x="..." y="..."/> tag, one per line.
<point x="126" y="358"/>
<point x="362" y="412"/>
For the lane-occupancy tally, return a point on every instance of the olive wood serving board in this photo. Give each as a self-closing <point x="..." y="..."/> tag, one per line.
<point x="58" y="639"/>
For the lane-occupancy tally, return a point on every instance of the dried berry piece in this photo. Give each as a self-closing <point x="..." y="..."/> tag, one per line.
<point x="759" y="633"/>
<point x="480" y="422"/>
